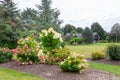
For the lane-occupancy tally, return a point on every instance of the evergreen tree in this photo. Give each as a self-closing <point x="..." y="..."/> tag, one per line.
<point x="79" y="30"/>
<point x="30" y="19"/>
<point x="49" y="17"/>
<point x="96" y="27"/>
<point x="87" y="35"/>
<point x="9" y="24"/>
<point x="10" y="13"/>
<point x="69" y="29"/>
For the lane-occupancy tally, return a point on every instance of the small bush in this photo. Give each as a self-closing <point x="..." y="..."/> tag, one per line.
<point x="74" y="41"/>
<point x="114" y="51"/>
<point x="5" y="55"/>
<point x="60" y="54"/>
<point x="98" y="55"/>
<point x="27" y="50"/>
<point x="74" y="63"/>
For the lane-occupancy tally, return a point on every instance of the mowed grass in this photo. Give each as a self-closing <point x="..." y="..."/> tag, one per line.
<point x="7" y="74"/>
<point x="87" y="49"/>
<point x="105" y="67"/>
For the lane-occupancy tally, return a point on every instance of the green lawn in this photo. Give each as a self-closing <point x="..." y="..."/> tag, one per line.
<point x="6" y="74"/>
<point x="105" y="67"/>
<point x="87" y="49"/>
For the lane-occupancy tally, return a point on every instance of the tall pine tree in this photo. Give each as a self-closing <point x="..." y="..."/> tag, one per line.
<point x="10" y="13"/>
<point x="87" y="35"/>
<point x="49" y="17"/>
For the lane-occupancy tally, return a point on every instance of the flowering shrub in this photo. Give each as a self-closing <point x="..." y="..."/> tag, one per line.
<point x="27" y="50"/>
<point x="74" y="63"/>
<point x="50" y="40"/>
<point x="5" y="55"/>
<point x="98" y="55"/>
<point x="59" y="55"/>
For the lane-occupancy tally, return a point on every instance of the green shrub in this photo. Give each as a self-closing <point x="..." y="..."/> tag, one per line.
<point x="98" y="55"/>
<point x="8" y="36"/>
<point x="27" y="50"/>
<point x="5" y="55"/>
<point x="60" y="54"/>
<point x="76" y="40"/>
<point x="74" y="63"/>
<point x="50" y="40"/>
<point x="114" y="51"/>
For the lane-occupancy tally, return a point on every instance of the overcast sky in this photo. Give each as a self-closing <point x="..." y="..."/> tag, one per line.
<point x="83" y="13"/>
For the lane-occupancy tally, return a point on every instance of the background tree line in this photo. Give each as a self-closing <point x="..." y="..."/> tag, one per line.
<point x="112" y="36"/>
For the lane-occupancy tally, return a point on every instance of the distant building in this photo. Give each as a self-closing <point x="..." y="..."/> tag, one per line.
<point x="69" y="35"/>
<point x="96" y="37"/>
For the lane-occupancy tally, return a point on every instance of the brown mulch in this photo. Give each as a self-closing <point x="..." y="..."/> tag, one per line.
<point x="106" y="61"/>
<point x="53" y="72"/>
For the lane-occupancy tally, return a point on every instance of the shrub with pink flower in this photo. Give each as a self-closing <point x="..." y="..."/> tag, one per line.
<point x="5" y="55"/>
<point x="74" y="63"/>
<point x="27" y="50"/>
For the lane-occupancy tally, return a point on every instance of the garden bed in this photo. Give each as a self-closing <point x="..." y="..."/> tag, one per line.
<point x="53" y="72"/>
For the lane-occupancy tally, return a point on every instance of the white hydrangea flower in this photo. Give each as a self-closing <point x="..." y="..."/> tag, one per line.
<point x="61" y="40"/>
<point x="40" y="53"/>
<point x="51" y="30"/>
<point x="45" y="32"/>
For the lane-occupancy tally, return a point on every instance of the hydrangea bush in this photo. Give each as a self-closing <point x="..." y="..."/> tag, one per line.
<point x="50" y="40"/>
<point x="5" y="55"/>
<point x="27" y="50"/>
<point x="74" y="63"/>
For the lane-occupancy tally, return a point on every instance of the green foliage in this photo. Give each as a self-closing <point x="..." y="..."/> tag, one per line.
<point x="48" y="16"/>
<point x="8" y="37"/>
<point x="87" y="35"/>
<point x="98" y="55"/>
<point x="10" y="13"/>
<point x="27" y="50"/>
<point x="59" y="55"/>
<point x="5" y="55"/>
<point x="96" y="27"/>
<point x="76" y="40"/>
<point x="114" y="51"/>
<point x="31" y="19"/>
<point x="50" y="40"/>
<point x="74" y="63"/>
<point x="69" y="29"/>
<point x="79" y="30"/>
<point x="115" y="33"/>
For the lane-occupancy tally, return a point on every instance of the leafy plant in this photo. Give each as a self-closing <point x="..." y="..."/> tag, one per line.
<point x="59" y="55"/>
<point x="74" y="63"/>
<point x="5" y="55"/>
<point x="76" y="40"/>
<point x="27" y="50"/>
<point x="114" y="51"/>
<point x="50" y="40"/>
<point x="98" y="55"/>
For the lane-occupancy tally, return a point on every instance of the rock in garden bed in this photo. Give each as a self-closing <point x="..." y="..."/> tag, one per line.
<point x="53" y="72"/>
